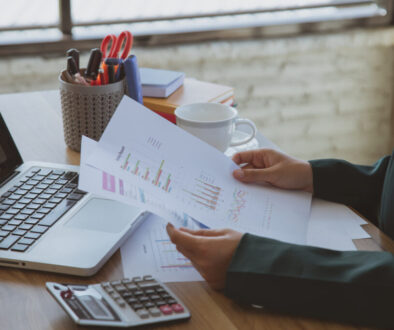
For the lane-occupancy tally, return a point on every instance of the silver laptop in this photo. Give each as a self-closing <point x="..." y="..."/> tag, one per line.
<point x="47" y="224"/>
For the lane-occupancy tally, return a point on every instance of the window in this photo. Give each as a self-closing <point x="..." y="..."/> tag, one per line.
<point x="26" y="22"/>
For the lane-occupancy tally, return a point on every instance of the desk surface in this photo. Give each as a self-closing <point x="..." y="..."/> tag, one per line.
<point x="34" y="120"/>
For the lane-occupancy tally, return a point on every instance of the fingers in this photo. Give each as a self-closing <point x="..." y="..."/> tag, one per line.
<point x="254" y="175"/>
<point x="244" y="157"/>
<point x="205" y="232"/>
<point x="181" y="238"/>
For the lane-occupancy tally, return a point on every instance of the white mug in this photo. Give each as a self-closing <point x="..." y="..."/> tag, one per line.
<point x="213" y="123"/>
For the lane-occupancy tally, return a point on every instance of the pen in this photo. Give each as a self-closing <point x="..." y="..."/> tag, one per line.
<point x="73" y="71"/>
<point x="93" y="64"/>
<point x="111" y="73"/>
<point x="74" y="53"/>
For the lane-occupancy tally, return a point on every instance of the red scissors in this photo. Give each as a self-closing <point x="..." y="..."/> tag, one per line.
<point x="115" y="44"/>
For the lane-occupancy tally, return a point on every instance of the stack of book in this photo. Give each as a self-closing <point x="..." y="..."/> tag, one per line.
<point x="192" y="91"/>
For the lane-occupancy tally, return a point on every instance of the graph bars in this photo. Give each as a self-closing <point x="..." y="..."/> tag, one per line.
<point x="205" y="194"/>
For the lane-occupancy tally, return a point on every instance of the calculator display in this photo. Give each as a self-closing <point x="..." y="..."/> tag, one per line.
<point x="96" y="308"/>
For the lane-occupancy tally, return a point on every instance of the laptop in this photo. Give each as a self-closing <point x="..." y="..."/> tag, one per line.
<point x="47" y="224"/>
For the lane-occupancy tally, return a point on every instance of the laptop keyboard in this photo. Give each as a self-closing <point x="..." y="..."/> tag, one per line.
<point x="32" y="206"/>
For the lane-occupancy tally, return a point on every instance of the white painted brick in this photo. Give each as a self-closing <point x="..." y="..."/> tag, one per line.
<point x="329" y="127"/>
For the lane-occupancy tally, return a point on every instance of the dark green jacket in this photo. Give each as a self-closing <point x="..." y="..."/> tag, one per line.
<point x="352" y="286"/>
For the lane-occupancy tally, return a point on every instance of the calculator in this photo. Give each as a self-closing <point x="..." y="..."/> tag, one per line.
<point x="128" y="302"/>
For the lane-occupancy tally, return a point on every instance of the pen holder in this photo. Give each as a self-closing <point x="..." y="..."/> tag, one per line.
<point x="87" y="110"/>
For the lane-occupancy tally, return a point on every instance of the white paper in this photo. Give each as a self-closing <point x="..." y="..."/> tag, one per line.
<point x="190" y="177"/>
<point x="150" y="251"/>
<point x="333" y="226"/>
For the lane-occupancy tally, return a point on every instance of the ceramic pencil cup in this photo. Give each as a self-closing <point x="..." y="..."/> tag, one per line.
<point x="86" y="110"/>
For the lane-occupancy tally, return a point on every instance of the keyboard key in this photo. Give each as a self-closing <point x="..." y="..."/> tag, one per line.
<point x="75" y="196"/>
<point x="31" y="195"/>
<point x="37" y="191"/>
<point x="50" y="191"/>
<point x="40" y="201"/>
<point x="19" y="206"/>
<point x="15" y="197"/>
<point x="61" y="181"/>
<point x="37" y="215"/>
<point x="8" y="202"/>
<point x="27" y="211"/>
<point x="3" y="222"/>
<point x="39" y="229"/>
<point x="61" y="195"/>
<point x="45" y="171"/>
<point x="20" y="192"/>
<point x="42" y="186"/>
<point x="32" y="235"/>
<point x="25" y="200"/>
<point x="4" y="207"/>
<point x="33" y="206"/>
<point x="45" y="196"/>
<point x="25" y="226"/>
<point x="8" y="241"/>
<point x="6" y="216"/>
<point x="6" y="194"/>
<point x="57" y="212"/>
<point x="66" y="190"/>
<point x="19" y="247"/>
<point x="21" y="217"/>
<point x="69" y="175"/>
<point x="15" y="222"/>
<point x="34" y="181"/>
<point x="50" y="205"/>
<point x="3" y="233"/>
<point x="13" y="211"/>
<point x="32" y="221"/>
<point x="19" y="232"/>
<point x="58" y="172"/>
<point x="54" y="177"/>
<point x="48" y="181"/>
<point x="26" y="241"/>
<point x="45" y="210"/>
<point x="56" y="186"/>
<point x="55" y="200"/>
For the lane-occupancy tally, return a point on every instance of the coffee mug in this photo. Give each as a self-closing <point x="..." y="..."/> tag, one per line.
<point x="213" y="123"/>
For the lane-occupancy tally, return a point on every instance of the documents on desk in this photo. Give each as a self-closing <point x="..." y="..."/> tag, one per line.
<point x="148" y="160"/>
<point x="140" y="161"/>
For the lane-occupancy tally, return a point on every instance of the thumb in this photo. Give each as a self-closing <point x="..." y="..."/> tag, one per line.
<point x="204" y="232"/>
<point x="261" y="175"/>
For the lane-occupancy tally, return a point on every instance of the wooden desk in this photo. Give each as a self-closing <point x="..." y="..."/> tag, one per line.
<point x="34" y="119"/>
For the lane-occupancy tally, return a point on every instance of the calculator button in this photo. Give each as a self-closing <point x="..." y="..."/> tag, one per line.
<point x="149" y="304"/>
<point x="150" y="291"/>
<point x="120" y="302"/>
<point x="154" y="297"/>
<point x="154" y="311"/>
<point x="148" y="285"/>
<point x="136" y="306"/>
<point x="131" y="286"/>
<point x="116" y="283"/>
<point x="137" y="279"/>
<point x="132" y="301"/>
<point x="148" y="278"/>
<point x="126" y="295"/>
<point x="166" y="310"/>
<point x="160" y="289"/>
<point x="138" y="293"/>
<point x="171" y="301"/>
<point x="143" y="299"/>
<point x="165" y="295"/>
<point x="105" y="285"/>
<point x="126" y="281"/>
<point x="160" y="303"/>
<point x="177" y="308"/>
<point x="120" y="288"/>
<point x="142" y="313"/>
<point x="114" y="295"/>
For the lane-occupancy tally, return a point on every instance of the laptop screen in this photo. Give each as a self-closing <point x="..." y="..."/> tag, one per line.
<point x="10" y="158"/>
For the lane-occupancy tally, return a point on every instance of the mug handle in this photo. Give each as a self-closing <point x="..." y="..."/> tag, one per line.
<point x="243" y="121"/>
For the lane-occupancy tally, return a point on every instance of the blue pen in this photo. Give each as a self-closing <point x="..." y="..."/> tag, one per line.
<point x="133" y="78"/>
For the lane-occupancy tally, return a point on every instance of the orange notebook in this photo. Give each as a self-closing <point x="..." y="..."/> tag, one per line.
<point x="192" y="91"/>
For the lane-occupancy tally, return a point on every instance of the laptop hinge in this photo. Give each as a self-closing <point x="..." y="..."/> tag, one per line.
<point x="13" y="175"/>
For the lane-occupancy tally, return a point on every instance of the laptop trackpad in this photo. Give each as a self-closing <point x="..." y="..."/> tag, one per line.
<point x="104" y="215"/>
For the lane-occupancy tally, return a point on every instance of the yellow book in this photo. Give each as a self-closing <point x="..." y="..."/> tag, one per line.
<point x="192" y="91"/>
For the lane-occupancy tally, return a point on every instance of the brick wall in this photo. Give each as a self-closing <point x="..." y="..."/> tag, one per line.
<point x="315" y="96"/>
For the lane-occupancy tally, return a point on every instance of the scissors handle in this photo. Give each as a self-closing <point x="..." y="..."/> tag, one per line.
<point x="127" y="38"/>
<point x="109" y="40"/>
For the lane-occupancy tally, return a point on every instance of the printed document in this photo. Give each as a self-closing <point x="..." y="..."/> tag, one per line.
<point x="146" y="160"/>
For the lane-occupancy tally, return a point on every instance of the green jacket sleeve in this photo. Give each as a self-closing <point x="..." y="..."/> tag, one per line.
<point x="357" y="186"/>
<point x="351" y="286"/>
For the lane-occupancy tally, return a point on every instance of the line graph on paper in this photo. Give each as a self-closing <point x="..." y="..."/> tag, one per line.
<point x="167" y="258"/>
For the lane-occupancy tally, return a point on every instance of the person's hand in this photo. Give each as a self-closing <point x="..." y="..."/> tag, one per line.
<point x="275" y="168"/>
<point x="209" y="250"/>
